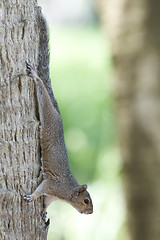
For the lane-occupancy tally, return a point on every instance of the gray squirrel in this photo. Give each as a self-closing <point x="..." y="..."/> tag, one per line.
<point x="58" y="183"/>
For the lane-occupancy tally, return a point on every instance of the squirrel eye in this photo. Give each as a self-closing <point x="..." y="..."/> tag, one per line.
<point x="86" y="201"/>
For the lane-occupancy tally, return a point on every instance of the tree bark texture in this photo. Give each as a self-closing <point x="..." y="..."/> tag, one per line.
<point x="134" y="32"/>
<point x="19" y="125"/>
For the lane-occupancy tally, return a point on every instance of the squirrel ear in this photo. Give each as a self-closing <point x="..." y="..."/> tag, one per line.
<point x="82" y="188"/>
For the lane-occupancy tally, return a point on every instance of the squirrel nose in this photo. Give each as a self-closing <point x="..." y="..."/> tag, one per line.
<point x="88" y="211"/>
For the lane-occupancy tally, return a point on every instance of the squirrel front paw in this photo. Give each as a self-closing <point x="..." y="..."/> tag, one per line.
<point x="28" y="198"/>
<point x="44" y="215"/>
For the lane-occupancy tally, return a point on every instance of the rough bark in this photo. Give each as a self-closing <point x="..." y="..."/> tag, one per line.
<point x="133" y="28"/>
<point x="19" y="126"/>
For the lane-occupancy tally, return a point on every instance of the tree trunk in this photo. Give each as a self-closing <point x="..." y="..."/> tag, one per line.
<point x="19" y="125"/>
<point x="133" y="28"/>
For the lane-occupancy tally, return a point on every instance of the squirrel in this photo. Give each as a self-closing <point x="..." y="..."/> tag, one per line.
<point x="58" y="182"/>
<point x="43" y="55"/>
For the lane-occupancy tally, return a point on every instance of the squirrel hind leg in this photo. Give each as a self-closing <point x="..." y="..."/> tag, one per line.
<point x="30" y="71"/>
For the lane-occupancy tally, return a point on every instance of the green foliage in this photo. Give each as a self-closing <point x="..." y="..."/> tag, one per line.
<point x="78" y="70"/>
<point x="81" y="73"/>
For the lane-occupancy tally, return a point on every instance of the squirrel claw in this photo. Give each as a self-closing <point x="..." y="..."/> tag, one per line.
<point x="29" y="69"/>
<point x="28" y="198"/>
<point x="44" y="215"/>
<point x="47" y="223"/>
<point x="28" y="65"/>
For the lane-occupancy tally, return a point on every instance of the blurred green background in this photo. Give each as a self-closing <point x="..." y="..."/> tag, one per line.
<point x="81" y="73"/>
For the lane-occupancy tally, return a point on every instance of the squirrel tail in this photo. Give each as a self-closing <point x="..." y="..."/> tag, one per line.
<point x="43" y="55"/>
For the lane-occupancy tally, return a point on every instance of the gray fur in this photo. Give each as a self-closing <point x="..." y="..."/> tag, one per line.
<point x="58" y="183"/>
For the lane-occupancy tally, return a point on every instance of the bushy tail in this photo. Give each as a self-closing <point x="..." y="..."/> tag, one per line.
<point x="43" y="55"/>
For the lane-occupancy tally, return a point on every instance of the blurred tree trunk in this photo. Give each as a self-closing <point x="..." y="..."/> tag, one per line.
<point x="19" y="127"/>
<point x="134" y="31"/>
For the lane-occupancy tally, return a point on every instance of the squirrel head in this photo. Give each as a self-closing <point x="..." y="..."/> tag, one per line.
<point x="82" y="201"/>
